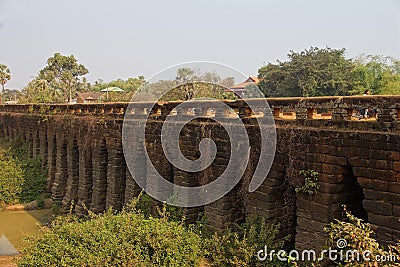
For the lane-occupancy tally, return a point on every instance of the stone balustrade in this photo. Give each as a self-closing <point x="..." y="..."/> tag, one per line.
<point x="312" y="111"/>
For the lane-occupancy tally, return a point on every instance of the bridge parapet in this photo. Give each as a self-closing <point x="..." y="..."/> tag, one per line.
<point x="343" y="111"/>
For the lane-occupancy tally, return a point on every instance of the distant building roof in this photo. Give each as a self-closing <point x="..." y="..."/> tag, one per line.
<point x="240" y="89"/>
<point x="242" y="86"/>
<point x="88" y="96"/>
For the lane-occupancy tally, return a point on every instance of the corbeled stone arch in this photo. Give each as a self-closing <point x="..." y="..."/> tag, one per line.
<point x="116" y="174"/>
<point x="85" y="174"/>
<point x="71" y="192"/>
<point x="43" y="150"/>
<point x="58" y="189"/>
<point x="376" y="165"/>
<point x="100" y="166"/>
<point x="51" y="159"/>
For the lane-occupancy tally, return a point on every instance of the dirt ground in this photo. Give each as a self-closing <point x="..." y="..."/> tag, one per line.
<point x="6" y="261"/>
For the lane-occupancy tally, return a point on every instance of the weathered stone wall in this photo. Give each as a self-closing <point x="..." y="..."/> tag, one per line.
<point x="358" y="161"/>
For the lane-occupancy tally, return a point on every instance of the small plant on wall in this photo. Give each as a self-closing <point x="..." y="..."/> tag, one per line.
<point x="310" y="185"/>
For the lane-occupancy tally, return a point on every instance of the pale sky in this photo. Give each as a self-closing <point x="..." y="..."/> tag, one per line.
<point x="127" y="38"/>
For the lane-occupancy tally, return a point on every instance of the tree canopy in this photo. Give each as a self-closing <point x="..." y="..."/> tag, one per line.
<point x="380" y="75"/>
<point x="63" y="74"/>
<point x="39" y="91"/>
<point x="324" y="72"/>
<point x="129" y="86"/>
<point x="188" y="84"/>
<point x="5" y="75"/>
<point x="312" y="72"/>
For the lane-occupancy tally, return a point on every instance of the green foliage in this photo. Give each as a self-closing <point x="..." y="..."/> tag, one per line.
<point x="310" y="185"/>
<point x="5" y="75"/>
<point x="228" y="82"/>
<point x="380" y="75"/>
<point x="40" y="91"/>
<point x="312" y="72"/>
<point x="22" y="178"/>
<point x="134" y="237"/>
<point x="56" y="207"/>
<point x="124" y="239"/>
<point x="10" y="95"/>
<point x="253" y="91"/>
<point x="238" y="246"/>
<point x="35" y="179"/>
<point x="143" y="204"/>
<point x="358" y="236"/>
<point x="320" y="72"/>
<point x="11" y="178"/>
<point x="187" y="85"/>
<point x="129" y="86"/>
<point x="62" y="74"/>
<point x="195" y="90"/>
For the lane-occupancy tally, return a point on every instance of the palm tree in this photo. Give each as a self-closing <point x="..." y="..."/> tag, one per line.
<point x="5" y="75"/>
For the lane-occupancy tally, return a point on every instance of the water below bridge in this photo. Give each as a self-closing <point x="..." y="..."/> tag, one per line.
<point x="16" y="225"/>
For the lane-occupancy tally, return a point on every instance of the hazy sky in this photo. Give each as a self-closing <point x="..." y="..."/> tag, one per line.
<point x="121" y="39"/>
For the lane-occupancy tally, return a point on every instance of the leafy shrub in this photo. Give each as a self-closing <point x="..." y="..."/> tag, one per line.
<point x="310" y="185"/>
<point x="142" y="204"/>
<point x="110" y="239"/>
<point x="239" y="246"/>
<point x="35" y="179"/>
<point x="133" y="237"/>
<point x="358" y="236"/>
<point x="11" y="179"/>
<point x="22" y="179"/>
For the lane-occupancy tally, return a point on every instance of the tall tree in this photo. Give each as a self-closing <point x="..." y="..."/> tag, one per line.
<point x="63" y="73"/>
<point x="129" y="86"/>
<point x="39" y="91"/>
<point x="185" y="76"/>
<point x="213" y="81"/>
<point x="5" y="75"/>
<point x="188" y="85"/>
<point x="380" y="75"/>
<point x="228" y="82"/>
<point x="312" y="72"/>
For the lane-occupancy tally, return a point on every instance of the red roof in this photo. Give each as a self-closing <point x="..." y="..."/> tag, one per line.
<point x="250" y="80"/>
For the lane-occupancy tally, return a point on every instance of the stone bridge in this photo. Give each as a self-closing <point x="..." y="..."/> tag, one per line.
<point x="357" y="160"/>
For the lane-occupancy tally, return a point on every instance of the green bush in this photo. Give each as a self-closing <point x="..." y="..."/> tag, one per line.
<point x="310" y="185"/>
<point x="358" y="236"/>
<point x="11" y="179"/>
<point x="34" y="179"/>
<point x="110" y="239"/>
<point x="133" y="237"/>
<point x="238" y="246"/>
<point x="22" y="179"/>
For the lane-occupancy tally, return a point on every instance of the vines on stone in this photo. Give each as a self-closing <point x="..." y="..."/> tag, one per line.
<point x="292" y="142"/>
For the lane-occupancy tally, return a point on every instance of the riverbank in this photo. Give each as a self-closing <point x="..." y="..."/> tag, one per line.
<point x="16" y="225"/>
<point x="7" y="261"/>
<point x="33" y="205"/>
